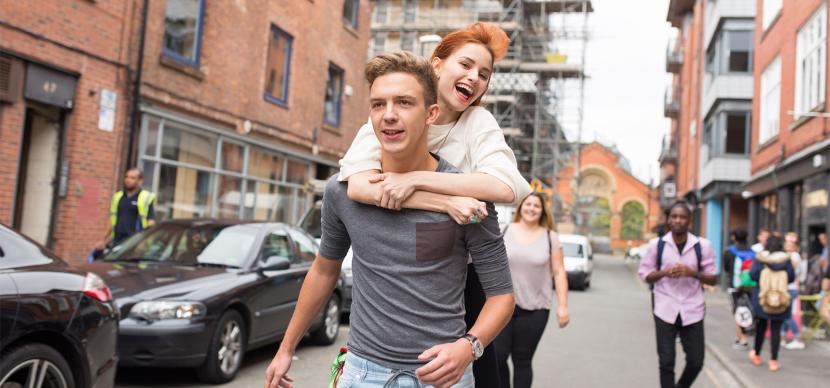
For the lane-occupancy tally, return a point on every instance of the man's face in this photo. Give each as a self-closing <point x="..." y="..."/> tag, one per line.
<point x="822" y="238"/>
<point x="762" y="237"/>
<point x="398" y="114"/>
<point x="679" y="220"/>
<point x="132" y="179"/>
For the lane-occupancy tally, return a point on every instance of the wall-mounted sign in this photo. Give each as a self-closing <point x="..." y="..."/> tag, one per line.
<point x="669" y="190"/>
<point x="106" y="110"/>
<point x="50" y="86"/>
<point x="817" y="198"/>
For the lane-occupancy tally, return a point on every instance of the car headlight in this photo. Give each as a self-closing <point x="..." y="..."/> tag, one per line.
<point x="163" y="309"/>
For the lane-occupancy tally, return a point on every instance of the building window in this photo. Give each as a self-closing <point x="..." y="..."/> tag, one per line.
<point x="730" y="52"/>
<point x="350" y="12"/>
<point x="737" y="128"/>
<point x="770" y="12"/>
<point x="183" y="30"/>
<point x="410" y="11"/>
<point x="381" y="11"/>
<point x="770" y="101"/>
<point x="811" y="62"/>
<point x="334" y="95"/>
<point x="739" y="51"/>
<point x="278" y="66"/>
<point x="379" y="43"/>
<point x="199" y="173"/>
<point x="408" y="41"/>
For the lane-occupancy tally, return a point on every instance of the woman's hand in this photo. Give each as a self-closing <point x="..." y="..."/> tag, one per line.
<point x="395" y="188"/>
<point x="461" y="209"/>
<point x="563" y="316"/>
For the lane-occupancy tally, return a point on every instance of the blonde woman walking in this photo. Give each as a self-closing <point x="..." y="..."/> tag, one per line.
<point x="536" y="263"/>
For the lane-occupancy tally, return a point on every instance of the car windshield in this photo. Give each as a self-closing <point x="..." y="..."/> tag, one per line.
<point x="311" y="222"/>
<point x="572" y="250"/>
<point x="221" y="245"/>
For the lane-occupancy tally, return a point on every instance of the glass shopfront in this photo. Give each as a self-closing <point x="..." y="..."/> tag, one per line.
<point x="200" y="173"/>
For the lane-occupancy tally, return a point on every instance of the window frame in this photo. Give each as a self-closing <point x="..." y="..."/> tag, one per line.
<point x="338" y="106"/>
<point x="355" y="14"/>
<point x="384" y="37"/>
<point x="200" y="23"/>
<point x="414" y="13"/>
<point x="766" y="130"/>
<point x="722" y="149"/>
<point x="277" y="31"/>
<point x="802" y="92"/>
<point x="378" y="16"/>
<point x="298" y="200"/>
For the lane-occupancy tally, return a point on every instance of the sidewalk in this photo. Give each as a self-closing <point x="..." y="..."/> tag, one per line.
<point x="800" y="368"/>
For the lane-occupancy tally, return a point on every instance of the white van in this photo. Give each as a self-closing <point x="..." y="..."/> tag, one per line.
<point x="579" y="260"/>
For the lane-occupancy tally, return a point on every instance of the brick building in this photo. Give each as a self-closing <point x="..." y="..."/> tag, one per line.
<point x="240" y="106"/>
<point x="706" y="157"/>
<point x="64" y="85"/>
<point x="789" y="186"/>
<point x="610" y="201"/>
<point x="243" y="103"/>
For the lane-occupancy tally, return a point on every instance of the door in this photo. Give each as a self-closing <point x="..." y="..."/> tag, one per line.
<point x="276" y="292"/>
<point x="38" y="172"/>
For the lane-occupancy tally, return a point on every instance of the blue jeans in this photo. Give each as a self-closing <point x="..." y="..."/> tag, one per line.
<point x="361" y="373"/>
<point x="790" y="323"/>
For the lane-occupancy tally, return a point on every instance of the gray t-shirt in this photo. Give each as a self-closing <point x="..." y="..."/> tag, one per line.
<point x="409" y="269"/>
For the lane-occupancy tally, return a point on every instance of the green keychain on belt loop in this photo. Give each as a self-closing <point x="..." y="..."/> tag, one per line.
<point x="337" y="368"/>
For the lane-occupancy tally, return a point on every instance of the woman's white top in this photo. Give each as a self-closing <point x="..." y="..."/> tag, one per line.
<point x="474" y="143"/>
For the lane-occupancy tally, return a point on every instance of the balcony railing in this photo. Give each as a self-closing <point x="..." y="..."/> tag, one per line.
<point x="671" y="108"/>
<point x="674" y="58"/>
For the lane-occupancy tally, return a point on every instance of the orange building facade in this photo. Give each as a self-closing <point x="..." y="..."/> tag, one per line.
<point x="609" y="200"/>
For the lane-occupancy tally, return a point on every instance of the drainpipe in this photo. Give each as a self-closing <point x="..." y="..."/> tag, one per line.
<point x="135" y="119"/>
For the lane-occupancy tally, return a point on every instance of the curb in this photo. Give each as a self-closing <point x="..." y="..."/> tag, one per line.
<point x="740" y="378"/>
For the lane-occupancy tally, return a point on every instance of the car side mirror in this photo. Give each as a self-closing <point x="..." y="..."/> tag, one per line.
<point x="275" y="263"/>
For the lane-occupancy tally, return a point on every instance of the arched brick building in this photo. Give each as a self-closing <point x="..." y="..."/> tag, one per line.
<point x="611" y="202"/>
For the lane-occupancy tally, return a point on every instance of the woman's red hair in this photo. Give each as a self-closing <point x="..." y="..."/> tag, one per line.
<point x="489" y="35"/>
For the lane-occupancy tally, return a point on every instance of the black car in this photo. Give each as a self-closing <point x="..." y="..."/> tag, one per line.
<point x="58" y="325"/>
<point x="311" y="223"/>
<point x="199" y="293"/>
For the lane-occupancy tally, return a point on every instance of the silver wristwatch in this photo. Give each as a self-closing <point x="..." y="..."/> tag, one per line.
<point x="478" y="349"/>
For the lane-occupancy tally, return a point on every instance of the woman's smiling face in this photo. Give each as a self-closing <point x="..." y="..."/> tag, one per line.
<point x="463" y="76"/>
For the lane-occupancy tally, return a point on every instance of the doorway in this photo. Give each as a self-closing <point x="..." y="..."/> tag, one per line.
<point x="38" y="172"/>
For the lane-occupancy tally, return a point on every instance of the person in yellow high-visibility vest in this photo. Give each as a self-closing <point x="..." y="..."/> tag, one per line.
<point x="131" y="209"/>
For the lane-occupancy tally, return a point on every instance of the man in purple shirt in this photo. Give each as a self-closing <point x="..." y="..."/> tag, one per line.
<point x="686" y="262"/>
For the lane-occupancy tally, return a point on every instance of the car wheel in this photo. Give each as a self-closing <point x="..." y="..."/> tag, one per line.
<point x="580" y="284"/>
<point x="327" y="333"/>
<point x="227" y="347"/>
<point x="34" y="365"/>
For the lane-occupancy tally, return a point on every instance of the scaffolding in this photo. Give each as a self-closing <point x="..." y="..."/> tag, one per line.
<point x="537" y="91"/>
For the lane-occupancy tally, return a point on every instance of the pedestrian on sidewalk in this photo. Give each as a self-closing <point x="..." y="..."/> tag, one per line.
<point x="790" y="325"/>
<point x="761" y="240"/>
<point x="824" y="306"/>
<point x="407" y="319"/>
<point x="468" y="137"/>
<point x="536" y="264"/>
<point x="773" y="260"/>
<point x="733" y="258"/>
<point x="676" y="266"/>
<point x="132" y="209"/>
